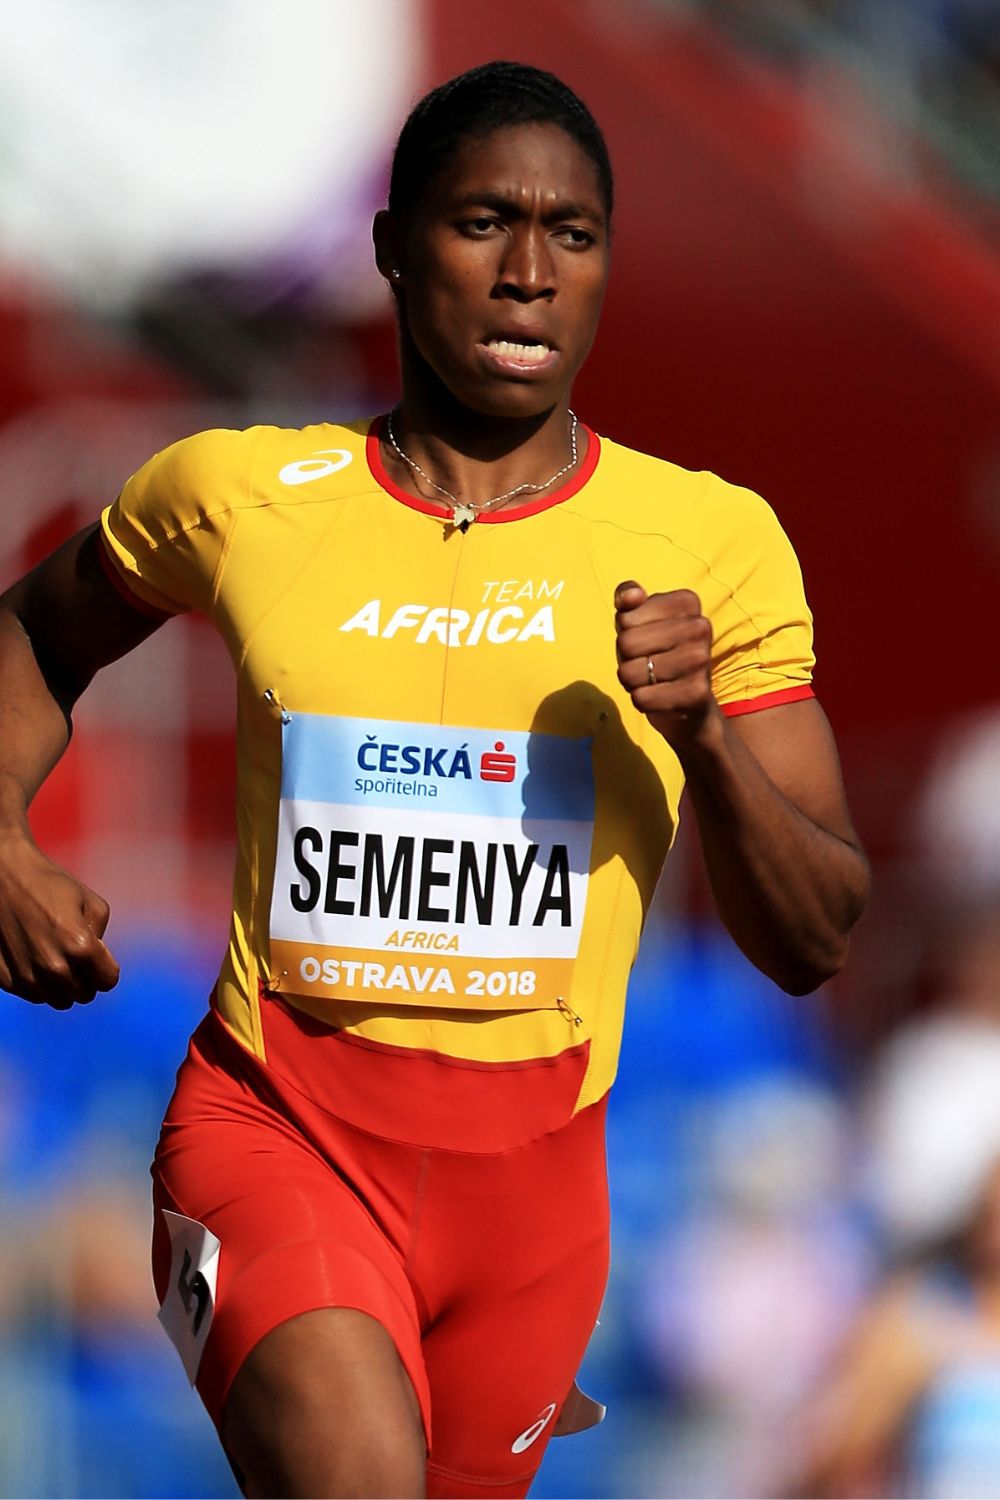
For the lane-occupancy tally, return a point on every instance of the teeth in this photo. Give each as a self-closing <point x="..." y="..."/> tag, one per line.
<point x="526" y="354"/>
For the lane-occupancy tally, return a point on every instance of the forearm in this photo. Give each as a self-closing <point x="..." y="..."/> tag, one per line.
<point x="58" y="626"/>
<point x="34" y="721"/>
<point x="788" y="890"/>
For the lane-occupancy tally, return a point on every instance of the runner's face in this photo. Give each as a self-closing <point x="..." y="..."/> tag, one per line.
<point x="505" y="265"/>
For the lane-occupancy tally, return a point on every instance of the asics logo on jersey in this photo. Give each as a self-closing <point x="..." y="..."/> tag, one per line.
<point x="304" y="470"/>
<point x="538" y="1426"/>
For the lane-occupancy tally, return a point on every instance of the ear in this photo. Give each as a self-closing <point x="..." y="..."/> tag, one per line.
<point x="386" y="239"/>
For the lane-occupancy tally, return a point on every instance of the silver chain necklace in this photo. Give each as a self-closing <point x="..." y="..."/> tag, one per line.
<point x="464" y="512"/>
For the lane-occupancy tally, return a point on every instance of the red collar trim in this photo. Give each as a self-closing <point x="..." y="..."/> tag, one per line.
<point x="515" y="513"/>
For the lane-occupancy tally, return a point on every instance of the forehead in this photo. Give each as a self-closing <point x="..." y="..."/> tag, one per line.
<point x="532" y="162"/>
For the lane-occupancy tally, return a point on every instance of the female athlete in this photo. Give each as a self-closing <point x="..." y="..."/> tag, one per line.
<point x="479" y="651"/>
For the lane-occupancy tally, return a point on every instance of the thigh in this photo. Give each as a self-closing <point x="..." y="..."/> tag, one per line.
<point x="501" y="1359"/>
<point x="293" y="1238"/>
<point x="323" y="1406"/>
<point x="500" y="1374"/>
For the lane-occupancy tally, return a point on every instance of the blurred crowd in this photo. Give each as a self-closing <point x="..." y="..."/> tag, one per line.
<point x="93" y="1399"/>
<point x="931" y="65"/>
<point x="932" y="40"/>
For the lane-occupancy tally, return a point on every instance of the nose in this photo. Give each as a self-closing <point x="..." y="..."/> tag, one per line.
<point x="527" y="270"/>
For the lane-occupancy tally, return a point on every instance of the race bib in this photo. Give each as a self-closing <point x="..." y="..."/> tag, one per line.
<point x="430" y="866"/>
<point x="189" y="1304"/>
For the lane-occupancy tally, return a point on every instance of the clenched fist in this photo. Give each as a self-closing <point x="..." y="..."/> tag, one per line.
<point x="51" y="930"/>
<point x="665" y="660"/>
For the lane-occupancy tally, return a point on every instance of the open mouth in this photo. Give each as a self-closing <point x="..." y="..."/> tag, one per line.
<point x="523" y="357"/>
<point x="532" y="352"/>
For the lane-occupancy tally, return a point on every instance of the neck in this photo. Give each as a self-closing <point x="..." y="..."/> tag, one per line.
<point x="473" y="455"/>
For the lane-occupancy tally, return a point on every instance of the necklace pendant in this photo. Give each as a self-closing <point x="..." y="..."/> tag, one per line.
<point x="462" y="515"/>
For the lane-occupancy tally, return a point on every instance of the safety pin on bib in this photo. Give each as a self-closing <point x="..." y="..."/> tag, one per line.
<point x="271" y="697"/>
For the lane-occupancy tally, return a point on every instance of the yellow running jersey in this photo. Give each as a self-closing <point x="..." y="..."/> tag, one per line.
<point x="451" y="818"/>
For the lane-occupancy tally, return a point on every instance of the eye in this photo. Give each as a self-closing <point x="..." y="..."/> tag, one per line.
<point x="480" y="226"/>
<point x="576" y="238"/>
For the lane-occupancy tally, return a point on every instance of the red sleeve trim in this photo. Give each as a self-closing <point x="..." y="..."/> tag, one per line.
<point x="767" y="700"/>
<point x="121" y="587"/>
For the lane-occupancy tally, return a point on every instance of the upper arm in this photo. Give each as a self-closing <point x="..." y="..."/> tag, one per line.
<point x="75" y="619"/>
<point x="156" y="553"/>
<point x="794" y="745"/>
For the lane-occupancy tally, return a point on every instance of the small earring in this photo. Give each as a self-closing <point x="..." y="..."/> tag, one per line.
<point x="395" y="273"/>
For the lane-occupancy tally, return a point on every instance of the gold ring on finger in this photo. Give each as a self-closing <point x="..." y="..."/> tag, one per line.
<point x="650" y="673"/>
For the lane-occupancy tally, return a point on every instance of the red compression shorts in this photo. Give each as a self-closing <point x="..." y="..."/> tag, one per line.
<point x="486" y="1268"/>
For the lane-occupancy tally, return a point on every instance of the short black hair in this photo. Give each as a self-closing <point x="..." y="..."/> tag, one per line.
<point x="487" y="98"/>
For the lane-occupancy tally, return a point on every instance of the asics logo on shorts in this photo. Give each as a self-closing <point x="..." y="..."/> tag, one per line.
<point x="316" y="467"/>
<point x="528" y="1436"/>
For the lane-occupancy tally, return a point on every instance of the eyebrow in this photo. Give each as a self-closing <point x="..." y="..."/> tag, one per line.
<point x="508" y="203"/>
